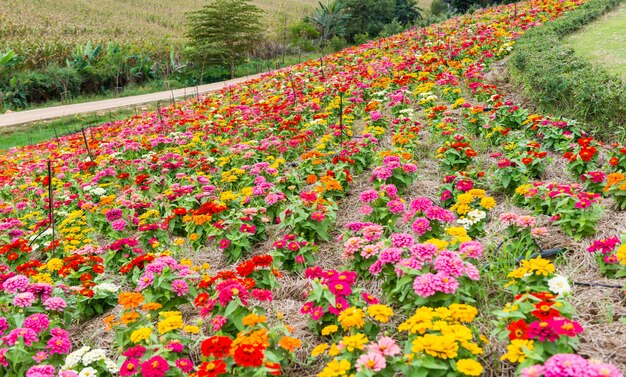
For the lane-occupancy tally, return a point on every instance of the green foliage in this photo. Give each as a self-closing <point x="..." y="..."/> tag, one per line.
<point x="560" y="82"/>
<point x="367" y="16"/>
<point x="224" y="31"/>
<point x="395" y="27"/>
<point x="303" y="34"/>
<point x="337" y="44"/>
<point x="406" y="12"/>
<point x="330" y="20"/>
<point x="439" y="7"/>
<point x="361" y="38"/>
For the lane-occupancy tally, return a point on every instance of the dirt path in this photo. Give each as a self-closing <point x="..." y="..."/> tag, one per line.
<point x="22" y="117"/>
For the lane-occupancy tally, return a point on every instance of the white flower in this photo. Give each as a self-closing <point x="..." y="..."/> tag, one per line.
<point x="559" y="285"/>
<point x="111" y="366"/>
<point x="88" y="372"/>
<point x="106" y="287"/>
<point x="74" y="358"/>
<point x="94" y="355"/>
<point x="99" y="191"/>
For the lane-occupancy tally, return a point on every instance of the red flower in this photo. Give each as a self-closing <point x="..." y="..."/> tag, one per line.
<point x="211" y="368"/>
<point x="202" y="299"/>
<point x="245" y="268"/>
<point x="275" y="367"/>
<point x="249" y="355"/>
<point x="527" y="160"/>
<point x="264" y="260"/>
<point x="587" y="153"/>
<point x="613" y="161"/>
<point x="217" y="346"/>
<point x="518" y="330"/>
<point x="544" y="311"/>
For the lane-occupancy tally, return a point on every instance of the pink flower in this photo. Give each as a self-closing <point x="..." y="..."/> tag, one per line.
<point x="17" y="283"/>
<point x="185" y="365"/>
<point x="40" y="356"/>
<point x="3" y="359"/>
<point x="262" y="294"/>
<point x="308" y="196"/>
<point x="318" y="216"/>
<point x="24" y="299"/>
<point x="372" y="360"/>
<point x="180" y="287"/>
<point x="37" y="322"/>
<point x="395" y="206"/>
<point x="372" y="232"/>
<point x="113" y="214"/>
<point x="175" y="346"/>
<point x="299" y="259"/>
<point x="525" y="221"/>
<point x="375" y="115"/>
<point x="154" y="367"/>
<point x="366" y="210"/>
<point x="508" y="217"/>
<point x="224" y="243"/>
<point x="421" y="204"/>
<point x="604" y="369"/>
<point x="402" y="240"/>
<point x="55" y="304"/>
<point x="425" y="285"/>
<point x="449" y="263"/>
<point x="369" y="196"/>
<point x="471" y="249"/>
<point x="118" y="225"/>
<point x="218" y="322"/>
<point x="445" y="283"/>
<point x="40" y="371"/>
<point x="566" y="365"/>
<point x="369" y="299"/>
<point x="130" y="367"/>
<point x="385" y="346"/>
<point x="28" y="336"/>
<point x="424" y="252"/>
<point x="60" y="345"/>
<point x="409" y="168"/>
<point x="532" y="371"/>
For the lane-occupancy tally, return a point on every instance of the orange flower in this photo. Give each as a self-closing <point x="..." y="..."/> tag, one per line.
<point x="130" y="300"/>
<point x="289" y="343"/>
<point x="151" y="306"/>
<point x="252" y="319"/>
<point x="311" y="179"/>
<point x="130" y="317"/>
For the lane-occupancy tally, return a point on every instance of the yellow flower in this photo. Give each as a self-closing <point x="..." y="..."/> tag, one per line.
<point x="191" y="329"/>
<point x="539" y="266"/>
<point x="353" y="342"/>
<point x="464" y="198"/>
<point x="334" y="350"/>
<point x="469" y="367"/>
<point x="515" y="350"/>
<point x="463" y="313"/>
<point x="42" y="278"/>
<point x="487" y="202"/>
<point x="381" y="313"/>
<point x="329" y="329"/>
<point x="476" y="193"/>
<point x="621" y="254"/>
<point x="436" y="345"/>
<point x="335" y="368"/>
<point x="441" y="244"/>
<point x="419" y="322"/>
<point x="319" y="349"/>
<point x="171" y="323"/>
<point x="140" y="334"/>
<point x="54" y="264"/>
<point x="351" y="317"/>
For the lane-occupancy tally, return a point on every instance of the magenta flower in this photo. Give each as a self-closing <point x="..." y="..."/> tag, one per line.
<point x="130" y="367"/>
<point x="28" y="336"/>
<point x="445" y="283"/>
<point x="180" y="287"/>
<point x="376" y="115"/>
<point x="154" y="367"/>
<point x="60" y="345"/>
<point x="262" y="294"/>
<point x="402" y="240"/>
<point x="420" y="226"/>
<point x="218" y="322"/>
<point x="224" y="243"/>
<point x="395" y="206"/>
<point x="118" y="225"/>
<point x="425" y="285"/>
<point x="368" y="196"/>
<point x="113" y="214"/>
<point x="37" y="322"/>
<point x="40" y="371"/>
<point x="318" y="216"/>
<point x="566" y="365"/>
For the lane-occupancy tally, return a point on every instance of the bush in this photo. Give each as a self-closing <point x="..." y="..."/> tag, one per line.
<point x="439" y="7"/>
<point x="360" y="39"/>
<point x="560" y="82"/>
<point x="337" y="44"/>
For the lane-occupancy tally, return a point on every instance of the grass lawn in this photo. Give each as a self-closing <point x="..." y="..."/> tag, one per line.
<point x="604" y="41"/>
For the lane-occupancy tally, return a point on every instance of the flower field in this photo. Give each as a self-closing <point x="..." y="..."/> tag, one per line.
<point x="359" y="215"/>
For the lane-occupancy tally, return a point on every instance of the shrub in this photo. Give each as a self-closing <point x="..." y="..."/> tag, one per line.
<point x="563" y="83"/>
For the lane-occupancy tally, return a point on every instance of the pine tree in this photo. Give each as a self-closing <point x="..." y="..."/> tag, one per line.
<point x="224" y="32"/>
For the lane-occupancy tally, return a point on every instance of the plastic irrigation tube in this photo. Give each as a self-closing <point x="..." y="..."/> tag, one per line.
<point x="542" y="253"/>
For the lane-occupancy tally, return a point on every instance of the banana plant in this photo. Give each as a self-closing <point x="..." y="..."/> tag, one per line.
<point x="7" y="59"/>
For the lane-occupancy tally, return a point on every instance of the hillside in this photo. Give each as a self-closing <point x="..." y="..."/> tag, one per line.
<point x="384" y="211"/>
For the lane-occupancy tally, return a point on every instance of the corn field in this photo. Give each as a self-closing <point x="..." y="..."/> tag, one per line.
<point x="46" y="31"/>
